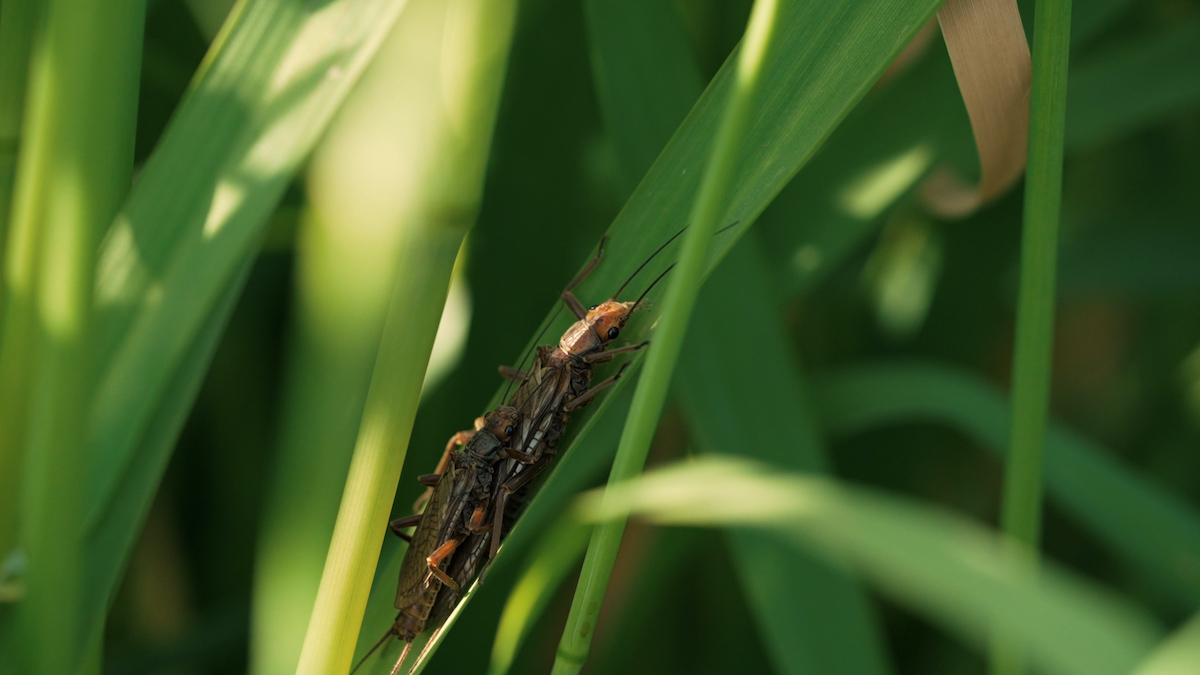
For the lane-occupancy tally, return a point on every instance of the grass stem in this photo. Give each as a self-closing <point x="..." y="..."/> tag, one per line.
<point x="1022" y="506"/>
<point x="650" y="395"/>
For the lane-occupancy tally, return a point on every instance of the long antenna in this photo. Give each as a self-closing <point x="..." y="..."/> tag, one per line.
<point x="647" y="262"/>
<point x="652" y="284"/>
<point x="660" y="249"/>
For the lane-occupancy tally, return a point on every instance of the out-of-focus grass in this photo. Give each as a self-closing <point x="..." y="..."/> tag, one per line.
<point x="1135" y="518"/>
<point x="1179" y="653"/>
<point x="365" y="189"/>
<point x="579" y="122"/>
<point x="948" y="569"/>
<point x="17" y="23"/>
<point x="74" y="169"/>
<point x="171" y="264"/>
<point x="460" y="70"/>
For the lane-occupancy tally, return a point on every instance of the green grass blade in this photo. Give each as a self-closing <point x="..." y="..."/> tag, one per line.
<point x="108" y="546"/>
<point x="742" y="394"/>
<point x="1176" y="655"/>
<point x="274" y="79"/>
<point x="871" y="162"/>
<point x="651" y="393"/>
<point x="332" y="339"/>
<point x="949" y="569"/>
<point x="646" y="79"/>
<point x="74" y="170"/>
<point x="1149" y="527"/>
<point x="267" y="89"/>
<point x="460" y="72"/>
<point x="18" y="22"/>
<point x="425" y="261"/>
<point x="1021" y="508"/>
<point x="346" y="266"/>
<point x="812" y="88"/>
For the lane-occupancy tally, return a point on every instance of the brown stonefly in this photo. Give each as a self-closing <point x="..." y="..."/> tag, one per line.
<point x="467" y="504"/>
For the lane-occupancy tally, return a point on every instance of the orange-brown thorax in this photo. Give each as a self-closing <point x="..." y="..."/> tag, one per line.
<point x="592" y="333"/>
<point x="501" y="422"/>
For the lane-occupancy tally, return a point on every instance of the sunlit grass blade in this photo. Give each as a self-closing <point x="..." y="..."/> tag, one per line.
<point x="743" y="395"/>
<point x="333" y="338"/>
<point x="271" y="82"/>
<point x="1021" y="507"/>
<point x="1141" y="522"/>
<point x="1176" y="655"/>
<point x="73" y="172"/>
<point x="425" y="260"/>
<point x="363" y="187"/>
<point x="456" y="78"/>
<point x="943" y="566"/>
<point x="651" y="393"/>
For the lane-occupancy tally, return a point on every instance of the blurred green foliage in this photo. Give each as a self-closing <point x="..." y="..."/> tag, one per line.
<point x="884" y="339"/>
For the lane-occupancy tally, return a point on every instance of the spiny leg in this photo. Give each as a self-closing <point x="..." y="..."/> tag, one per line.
<point x="397" y="526"/>
<point x="436" y="558"/>
<point x="475" y="524"/>
<point x="606" y="356"/>
<point x="509" y="487"/>
<point x="587" y="396"/>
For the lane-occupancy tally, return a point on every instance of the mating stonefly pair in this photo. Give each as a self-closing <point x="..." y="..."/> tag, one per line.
<point x="509" y="447"/>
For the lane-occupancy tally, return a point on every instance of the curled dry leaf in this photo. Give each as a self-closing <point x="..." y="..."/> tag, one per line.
<point x="991" y="60"/>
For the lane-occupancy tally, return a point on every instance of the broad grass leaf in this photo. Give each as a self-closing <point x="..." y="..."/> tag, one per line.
<point x="942" y="566"/>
